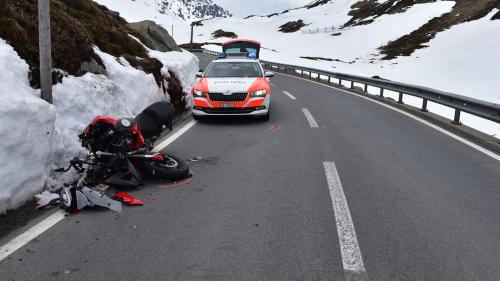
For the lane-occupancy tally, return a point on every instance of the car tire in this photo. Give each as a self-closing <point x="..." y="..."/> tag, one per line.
<point x="196" y="117"/>
<point x="266" y="117"/>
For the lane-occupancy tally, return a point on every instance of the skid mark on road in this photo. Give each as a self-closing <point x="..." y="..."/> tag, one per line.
<point x="310" y="118"/>
<point x="352" y="259"/>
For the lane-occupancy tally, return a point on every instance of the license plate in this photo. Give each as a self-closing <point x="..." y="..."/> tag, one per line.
<point x="227" y="105"/>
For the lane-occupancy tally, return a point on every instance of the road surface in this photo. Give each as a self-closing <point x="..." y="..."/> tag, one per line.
<point x="330" y="176"/>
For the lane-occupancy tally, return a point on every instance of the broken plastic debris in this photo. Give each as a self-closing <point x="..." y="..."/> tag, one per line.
<point x="128" y="199"/>
<point x="45" y="199"/>
<point x="74" y="199"/>
<point x="195" y="159"/>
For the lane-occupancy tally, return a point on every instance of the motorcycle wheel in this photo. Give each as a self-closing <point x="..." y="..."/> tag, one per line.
<point x="171" y="168"/>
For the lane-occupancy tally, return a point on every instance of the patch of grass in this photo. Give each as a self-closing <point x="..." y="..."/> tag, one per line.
<point x="292" y="26"/>
<point x="76" y="26"/>
<point x="317" y="3"/>
<point x="198" y="45"/>
<point x="463" y="11"/>
<point x="219" y="33"/>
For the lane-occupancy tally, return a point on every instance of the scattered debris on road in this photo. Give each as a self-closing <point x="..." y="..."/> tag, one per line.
<point x="47" y="199"/>
<point x="128" y="199"/>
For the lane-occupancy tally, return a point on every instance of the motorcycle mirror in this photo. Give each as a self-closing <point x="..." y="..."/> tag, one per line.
<point x="199" y="74"/>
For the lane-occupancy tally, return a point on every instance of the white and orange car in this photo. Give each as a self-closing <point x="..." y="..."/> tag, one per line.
<point x="234" y="84"/>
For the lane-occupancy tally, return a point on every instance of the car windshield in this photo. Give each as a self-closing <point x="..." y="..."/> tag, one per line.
<point x="234" y="69"/>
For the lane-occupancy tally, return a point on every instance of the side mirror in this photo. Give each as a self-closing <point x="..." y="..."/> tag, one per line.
<point x="269" y="74"/>
<point x="199" y="74"/>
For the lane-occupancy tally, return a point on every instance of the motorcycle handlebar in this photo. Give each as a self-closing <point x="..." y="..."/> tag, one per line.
<point x="125" y="155"/>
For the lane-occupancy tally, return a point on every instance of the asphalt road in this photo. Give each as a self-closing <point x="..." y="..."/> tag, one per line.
<point x="424" y="205"/>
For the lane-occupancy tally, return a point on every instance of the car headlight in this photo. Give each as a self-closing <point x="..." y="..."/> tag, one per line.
<point x="199" y="94"/>
<point x="259" y="93"/>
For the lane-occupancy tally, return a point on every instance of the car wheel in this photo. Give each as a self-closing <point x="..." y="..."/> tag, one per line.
<point x="266" y="117"/>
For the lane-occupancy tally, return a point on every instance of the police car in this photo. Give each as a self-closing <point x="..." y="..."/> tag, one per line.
<point x="234" y="84"/>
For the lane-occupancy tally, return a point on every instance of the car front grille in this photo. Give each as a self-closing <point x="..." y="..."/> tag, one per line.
<point x="231" y="97"/>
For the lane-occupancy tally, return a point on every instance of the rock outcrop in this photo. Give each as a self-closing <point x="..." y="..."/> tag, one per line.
<point x="154" y="36"/>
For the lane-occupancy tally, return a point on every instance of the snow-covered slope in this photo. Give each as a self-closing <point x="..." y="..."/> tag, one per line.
<point x="463" y="59"/>
<point x="166" y="12"/>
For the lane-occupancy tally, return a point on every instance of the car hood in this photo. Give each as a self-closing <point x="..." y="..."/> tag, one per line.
<point x="233" y="85"/>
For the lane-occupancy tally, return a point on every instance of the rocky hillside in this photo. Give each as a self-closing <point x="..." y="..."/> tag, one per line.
<point x="193" y="9"/>
<point x="78" y="26"/>
<point x="166" y="12"/>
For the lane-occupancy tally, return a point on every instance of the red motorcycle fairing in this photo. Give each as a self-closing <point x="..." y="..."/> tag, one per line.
<point x="103" y="119"/>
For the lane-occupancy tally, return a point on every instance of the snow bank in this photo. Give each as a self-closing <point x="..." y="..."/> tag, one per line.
<point x="26" y="130"/>
<point x="124" y="92"/>
<point x="38" y="137"/>
<point x="183" y="64"/>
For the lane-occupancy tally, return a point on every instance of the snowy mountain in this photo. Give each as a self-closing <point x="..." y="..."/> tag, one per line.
<point x="166" y="12"/>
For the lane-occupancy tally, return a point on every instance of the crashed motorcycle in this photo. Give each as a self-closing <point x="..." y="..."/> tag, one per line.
<point x="120" y="153"/>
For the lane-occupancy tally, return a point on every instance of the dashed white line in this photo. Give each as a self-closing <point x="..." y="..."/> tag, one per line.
<point x="448" y="133"/>
<point x="310" y="118"/>
<point x="352" y="260"/>
<point x="23" y="239"/>
<point x="289" y="95"/>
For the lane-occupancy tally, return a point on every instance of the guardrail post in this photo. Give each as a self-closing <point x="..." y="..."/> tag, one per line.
<point x="340" y="82"/>
<point x="456" y="120"/>
<point x="310" y="74"/>
<point x="400" y="100"/>
<point x="301" y="73"/>
<point x="319" y="77"/>
<point x="329" y="79"/>
<point x="381" y="92"/>
<point x="424" y="105"/>
<point x="352" y="84"/>
<point x="366" y="88"/>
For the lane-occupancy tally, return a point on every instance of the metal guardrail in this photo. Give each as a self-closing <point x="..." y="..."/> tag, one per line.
<point x="486" y="110"/>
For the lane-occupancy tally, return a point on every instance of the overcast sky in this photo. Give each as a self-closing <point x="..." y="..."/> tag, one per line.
<point x="242" y="8"/>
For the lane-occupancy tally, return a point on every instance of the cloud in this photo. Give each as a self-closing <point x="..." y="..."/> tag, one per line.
<point x="242" y="8"/>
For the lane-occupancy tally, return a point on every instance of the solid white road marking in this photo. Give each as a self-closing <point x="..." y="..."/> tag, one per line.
<point x="23" y="239"/>
<point x="289" y="95"/>
<point x="448" y="133"/>
<point x="352" y="259"/>
<point x="175" y="136"/>
<point x="310" y="118"/>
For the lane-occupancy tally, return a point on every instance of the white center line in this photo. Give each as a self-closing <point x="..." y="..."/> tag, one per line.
<point x="352" y="260"/>
<point x="23" y="239"/>
<point x="310" y="118"/>
<point x="289" y="95"/>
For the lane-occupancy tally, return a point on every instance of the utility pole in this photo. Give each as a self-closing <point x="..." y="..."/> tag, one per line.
<point x="191" y="42"/>
<point x="44" y="44"/>
<point x="193" y="24"/>
<point x="172" y="32"/>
